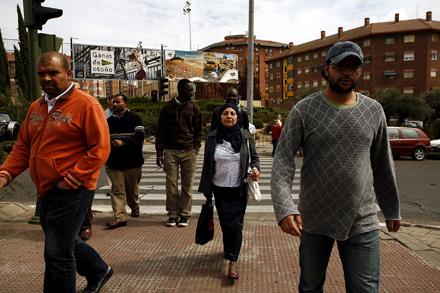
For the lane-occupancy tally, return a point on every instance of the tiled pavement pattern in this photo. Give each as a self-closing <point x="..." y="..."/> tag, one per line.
<point x="149" y="257"/>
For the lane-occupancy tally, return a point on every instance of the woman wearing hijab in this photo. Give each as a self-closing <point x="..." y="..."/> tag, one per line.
<point x="225" y="168"/>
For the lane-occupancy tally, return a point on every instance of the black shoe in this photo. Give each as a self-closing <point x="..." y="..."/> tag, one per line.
<point x="171" y="222"/>
<point x="135" y="213"/>
<point x="95" y="287"/>
<point x="116" y="224"/>
<point x="183" y="222"/>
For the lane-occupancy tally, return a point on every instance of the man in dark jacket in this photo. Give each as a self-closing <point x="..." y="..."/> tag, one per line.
<point x="178" y="141"/>
<point x="124" y="166"/>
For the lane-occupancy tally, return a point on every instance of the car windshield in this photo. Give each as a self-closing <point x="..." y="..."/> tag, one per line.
<point x="4" y="117"/>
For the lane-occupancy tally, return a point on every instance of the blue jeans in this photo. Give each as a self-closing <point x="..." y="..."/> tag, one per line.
<point x="360" y="258"/>
<point x="61" y="215"/>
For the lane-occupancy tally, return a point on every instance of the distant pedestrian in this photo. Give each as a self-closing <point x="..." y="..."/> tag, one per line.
<point x="275" y="132"/>
<point x="124" y="165"/>
<point x="109" y="112"/>
<point x="64" y="140"/>
<point x="178" y="140"/>
<point x="231" y="97"/>
<point x="347" y="167"/>
<point x="225" y="168"/>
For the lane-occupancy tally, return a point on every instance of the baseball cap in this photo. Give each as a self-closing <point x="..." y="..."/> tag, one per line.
<point x="341" y="50"/>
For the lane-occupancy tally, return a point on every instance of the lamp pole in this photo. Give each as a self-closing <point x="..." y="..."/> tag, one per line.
<point x="250" y="63"/>
<point x="187" y="10"/>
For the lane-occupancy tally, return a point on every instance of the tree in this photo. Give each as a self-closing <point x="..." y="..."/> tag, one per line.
<point x="432" y="98"/>
<point x="5" y="83"/>
<point x="24" y="56"/>
<point x="19" y="73"/>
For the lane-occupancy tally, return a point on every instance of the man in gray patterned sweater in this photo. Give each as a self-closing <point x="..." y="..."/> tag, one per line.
<point x="347" y="166"/>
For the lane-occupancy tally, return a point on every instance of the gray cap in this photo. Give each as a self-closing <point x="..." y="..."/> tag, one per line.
<point x="341" y="50"/>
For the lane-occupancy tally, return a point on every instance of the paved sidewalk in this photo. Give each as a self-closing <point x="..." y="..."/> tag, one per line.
<point x="149" y="257"/>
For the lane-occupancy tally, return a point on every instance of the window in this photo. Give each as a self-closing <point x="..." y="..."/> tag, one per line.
<point x="367" y="76"/>
<point x="315" y="68"/>
<point x="299" y="85"/>
<point x="306" y="70"/>
<point x="408" y="90"/>
<point x="307" y="57"/>
<point x="290" y="73"/>
<point x="306" y="84"/>
<point x="315" y="83"/>
<point x="408" y="56"/>
<point x="299" y="71"/>
<point x="390" y="74"/>
<point x="278" y="88"/>
<point x="390" y="57"/>
<point x="435" y="37"/>
<point x="271" y="65"/>
<point x="323" y="53"/>
<point x="285" y="69"/>
<point x="409" y="38"/>
<point x="271" y="77"/>
<point x="315" y="55"/>
<point x="278" y="75"/>
<point x="393" y="133"/>
<point x="409" y="133"/>
<point x="367" y="59"/>
<point x="271" y="89"/>
<point x="434" y="55"/>
<point x="366" y="43"/>
<point x="278" y="64"/>
<point x="290" y="60"/>
<point x="390" y="41"/>
<point x="290" y="87"/>
<point x="299" y="59"/>
<point x="433" y="72"/>
<point x="408" y="73"/>
<point x="323" y="82"/>
<point x="285" y="82"/>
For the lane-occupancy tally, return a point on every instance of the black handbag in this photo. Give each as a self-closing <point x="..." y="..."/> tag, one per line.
<point x="205" y="224"/>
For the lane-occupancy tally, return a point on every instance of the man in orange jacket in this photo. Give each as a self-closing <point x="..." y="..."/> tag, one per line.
<point x="64" y="141"/>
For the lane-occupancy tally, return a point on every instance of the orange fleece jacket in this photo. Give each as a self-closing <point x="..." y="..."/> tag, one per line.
<point x="69" y="143"/>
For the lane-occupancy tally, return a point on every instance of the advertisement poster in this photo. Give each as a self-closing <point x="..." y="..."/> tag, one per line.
<point x="106" y="62"/>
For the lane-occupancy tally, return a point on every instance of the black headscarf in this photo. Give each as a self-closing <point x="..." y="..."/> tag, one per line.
<point x="230" y="134"/>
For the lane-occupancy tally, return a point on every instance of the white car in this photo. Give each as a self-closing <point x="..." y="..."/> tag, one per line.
<point x="435" y="146"/>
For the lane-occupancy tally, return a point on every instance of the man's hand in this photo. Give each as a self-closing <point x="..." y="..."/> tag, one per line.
<point x="3" y="182"/>
<point x="117" y="143"/>
<point x="159" y="161"/>
<point x="255" y="175"/>
<point x="393" y="225"/>
<point x="292" y="224"/>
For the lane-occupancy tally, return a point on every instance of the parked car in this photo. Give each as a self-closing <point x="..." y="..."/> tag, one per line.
<point x="408" y="141"/>
<point x="8" y="128"/>
<point x="435" y="147"/>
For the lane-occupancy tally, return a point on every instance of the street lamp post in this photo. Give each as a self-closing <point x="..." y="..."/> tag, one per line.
<point x="187" y="10"/>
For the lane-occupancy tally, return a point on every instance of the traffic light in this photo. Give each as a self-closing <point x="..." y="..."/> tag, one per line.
<point x="36" y="15"/>
<point x="163" y="86"/>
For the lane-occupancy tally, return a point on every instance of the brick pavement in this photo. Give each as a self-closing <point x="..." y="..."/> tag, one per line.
<point x="149" y="257"/>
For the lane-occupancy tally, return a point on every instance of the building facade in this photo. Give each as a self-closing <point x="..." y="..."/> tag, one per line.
<point x="238" y="44"/>
<point x="401" y="54"/>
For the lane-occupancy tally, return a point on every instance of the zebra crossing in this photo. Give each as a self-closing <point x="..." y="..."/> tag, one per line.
<point x="152" y="189"/>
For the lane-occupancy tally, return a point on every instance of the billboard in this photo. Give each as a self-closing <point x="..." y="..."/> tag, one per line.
<point x="106" y="62"/>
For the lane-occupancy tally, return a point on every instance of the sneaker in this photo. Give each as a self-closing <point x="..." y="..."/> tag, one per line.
<point x="96" y="286"/>
<point x="171" y="222"/>
<point x="183" y="222"/>
<point x="135" y="213"/>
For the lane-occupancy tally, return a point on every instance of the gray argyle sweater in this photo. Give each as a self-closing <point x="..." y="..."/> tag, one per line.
<point x="347" y="165"/>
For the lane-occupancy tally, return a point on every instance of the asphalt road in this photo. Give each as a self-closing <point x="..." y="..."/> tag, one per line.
<point x="418" y="183"/>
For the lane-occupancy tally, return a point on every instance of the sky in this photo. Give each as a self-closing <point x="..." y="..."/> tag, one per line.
<point x="155" y="22"/>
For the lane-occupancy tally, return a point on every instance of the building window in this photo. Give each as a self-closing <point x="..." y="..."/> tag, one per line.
<point x="306" y="70"/>
<point x="435" y="37"/>
<point x="299" y="85"/>
<point x="408" y="90"/>
<point x="323" y="53"/>
<point x="271" y="76"/>
<point x="408" y="56"/>
<point x="366" y="43"/>
<point x="367" y="59"/>
<point x="434" y="55"/>
<point x="290" y="74"/>
<point x="323" y="82"/>
<point x="408" y="73"/>
<point x="433" y="72"/>
<point x="390" y="41"/>
<point x="315" y="83"/>
<point x="298" y="59"/>
<point x="390" y="57"/>
<point x="270" y="65"/>
<point x="409" y="38"/>
<point x="290" y="87"/>
<point x="299" y="71"/>
<point x="306" y="84"/>
<point x="271" y="89"/>
<point x="307" y="57"/>
<point x="285" y="82"/>
<point x="278" y="88"/>
<point x="390" y="74"/>
<point x="278" y="64"/>
<point x="315" y="68"/>
<point x="290" y="60"/>
<point x="315" y="55"/>
<point x="285" y="68"/>
<point x="366" y="75"/>
<point x="278" y="75"/>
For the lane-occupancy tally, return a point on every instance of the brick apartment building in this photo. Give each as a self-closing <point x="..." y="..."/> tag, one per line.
<point x="402" y="54"/>
<point x="238" y="44"/>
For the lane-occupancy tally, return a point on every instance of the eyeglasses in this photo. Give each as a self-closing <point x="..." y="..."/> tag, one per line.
<point x="347" y="66"/>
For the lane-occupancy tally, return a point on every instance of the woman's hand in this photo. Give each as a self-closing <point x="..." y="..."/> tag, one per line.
<point x="255" y="175"/>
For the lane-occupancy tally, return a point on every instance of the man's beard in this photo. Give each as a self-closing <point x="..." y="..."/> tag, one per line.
<point x="334" y="86"/>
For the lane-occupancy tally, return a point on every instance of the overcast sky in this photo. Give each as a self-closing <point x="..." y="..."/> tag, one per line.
<point x="155" y="22"/>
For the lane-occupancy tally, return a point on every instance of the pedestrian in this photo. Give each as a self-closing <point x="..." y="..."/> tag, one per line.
<point x="108" y="112"/>
<point x="178" y="140"/>
<point x="124" y="165"/>
<point x="225" y="168"/>
<point x="347" y="166"/>
<point x="231" y="97"/>
<point x="64" y="140"/>
<point x="275" y="132"/>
